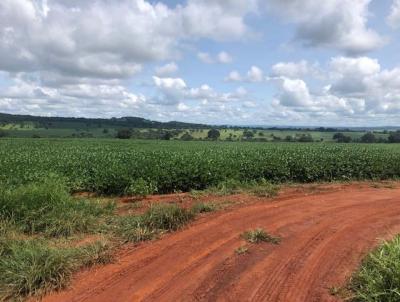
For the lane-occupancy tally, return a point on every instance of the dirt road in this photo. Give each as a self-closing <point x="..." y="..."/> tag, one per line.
<point x="324" y="237"/>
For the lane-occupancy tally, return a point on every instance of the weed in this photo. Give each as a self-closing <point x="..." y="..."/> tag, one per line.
<point x="33" y="267"/>
<point x="242" y="250"/>
<point x="201" y="207"/>
<point x="259" y="235"/>
<point x="378" y="279"/>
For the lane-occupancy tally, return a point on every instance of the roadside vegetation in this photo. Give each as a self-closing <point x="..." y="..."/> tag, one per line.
<point x="378" y="279"/>
<point x="46" y="235"/>
<point x="259" y="235"/>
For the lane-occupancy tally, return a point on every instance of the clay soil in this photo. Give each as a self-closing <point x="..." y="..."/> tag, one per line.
<point x="325" y="231"/>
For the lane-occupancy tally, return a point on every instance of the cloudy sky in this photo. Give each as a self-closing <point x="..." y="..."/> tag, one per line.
<point x="270" y="62"/>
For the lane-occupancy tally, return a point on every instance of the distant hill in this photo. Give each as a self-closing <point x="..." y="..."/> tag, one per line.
<point x="42" y="122"/>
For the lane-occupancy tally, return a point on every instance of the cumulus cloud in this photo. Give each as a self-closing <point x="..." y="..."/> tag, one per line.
<point x="223" y="58"/>
<point x="295" y="69"/>
<point x="356" y="89"/>
<point x="394" y="17"/>
<point x="254" y="75"/>
<point x="167" y="69"/>
<point x="339" y="24"/>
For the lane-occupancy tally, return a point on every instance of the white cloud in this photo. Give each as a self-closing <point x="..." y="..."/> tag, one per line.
<point x="340" y="24"/>
<point x="234" y="76"/>
<point x="167" y="69"/>
<point x="295" y="69"/>
<point x="255" y="75"/>
<point x="394" y="17"/>
<point x="223" y="58"/>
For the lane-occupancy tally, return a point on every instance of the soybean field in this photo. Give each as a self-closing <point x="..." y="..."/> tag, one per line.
<point x="115" y="167"/>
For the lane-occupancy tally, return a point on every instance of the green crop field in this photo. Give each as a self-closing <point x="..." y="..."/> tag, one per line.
<point x="114" y="166"/>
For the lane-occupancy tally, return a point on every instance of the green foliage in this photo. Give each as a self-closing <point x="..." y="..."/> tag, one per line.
<point x="46" y="207"/>
<point x="368" y="138"/>
<point x="111" y="166"/>
<point x="258" y="236"/>
<point x="140" y="188"/>
<point x="378" y="279"/>
<point x="124" y="134"/>
<point x="213" y="134"/>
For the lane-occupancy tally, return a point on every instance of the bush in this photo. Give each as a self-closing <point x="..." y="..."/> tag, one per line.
<point x="368" y="138"/>
<point x="124" y="134"/>
<point x="46" y="207"/>
<point x="379" y="276"/>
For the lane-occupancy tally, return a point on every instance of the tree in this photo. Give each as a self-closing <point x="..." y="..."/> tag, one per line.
<point x="166" y="136"/>
<point x="124" y="134"/>
<point x="368" y="138"/>
<point x="306" y="138"/>
<point x="213" y="134"/>
<point x="394" y="137"/>
<point x="341" y="138"/>
<point x="248" y="134"/>
<point x="186" y="137"/>
<point x="3" y="133"/>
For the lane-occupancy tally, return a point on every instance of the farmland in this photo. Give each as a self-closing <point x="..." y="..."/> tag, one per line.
<point x="112" y="167"/>
<point x="69" y="204"/>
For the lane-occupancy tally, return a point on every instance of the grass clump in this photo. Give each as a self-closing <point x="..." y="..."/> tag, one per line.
<point x="258" y="236"/>
<point x="378" y="279"/>
<point x="34" y="267"/>
<point x="242" y="250"/>
<point x="203" y="207"/>
<point x="260" y="188"/>
<point x="159" y="218"/>
<point x="47" y="207"/>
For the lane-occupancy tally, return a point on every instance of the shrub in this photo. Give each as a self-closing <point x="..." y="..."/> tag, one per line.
<point x="258" y="236"/>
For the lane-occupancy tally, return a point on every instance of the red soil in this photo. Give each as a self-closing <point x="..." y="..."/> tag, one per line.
<point x="324" y="237"/>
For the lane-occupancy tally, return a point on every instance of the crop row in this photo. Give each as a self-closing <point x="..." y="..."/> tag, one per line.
<point x="112" y="167"/>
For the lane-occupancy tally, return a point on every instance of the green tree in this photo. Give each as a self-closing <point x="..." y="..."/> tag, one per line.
<point x="368" y="138"/>
<point x="124" y="134"/>
<point x="213" y="134"/>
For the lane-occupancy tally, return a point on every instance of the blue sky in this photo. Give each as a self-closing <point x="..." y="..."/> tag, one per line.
<point x="264" y="62"/>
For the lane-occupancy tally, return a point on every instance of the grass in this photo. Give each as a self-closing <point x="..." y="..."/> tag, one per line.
<point x="34" y="267"/>
<point x="260" y="188"/>
<point x="159" y="218"/>
<point x="203" y="207"/>
<point x="47" y="207"/>
<point x="241" y="250"/>
<point x="378" y="279"/>
<point x="259" y="235"/>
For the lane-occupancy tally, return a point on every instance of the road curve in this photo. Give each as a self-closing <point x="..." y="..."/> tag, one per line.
<point x="324" y="237"/>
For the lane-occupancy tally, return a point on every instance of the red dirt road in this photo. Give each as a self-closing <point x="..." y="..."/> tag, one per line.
<point x="324" y="237"/>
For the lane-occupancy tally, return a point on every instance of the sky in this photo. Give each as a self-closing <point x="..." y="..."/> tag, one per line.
<point x="236" y="62"/>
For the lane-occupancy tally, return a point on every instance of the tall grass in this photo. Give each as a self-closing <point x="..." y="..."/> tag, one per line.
<point x="159" y="218"/>
<point x="33" y="267"/>
<point x="378" y="279"/>
<point x="47" y="207"/>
